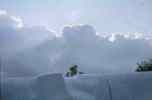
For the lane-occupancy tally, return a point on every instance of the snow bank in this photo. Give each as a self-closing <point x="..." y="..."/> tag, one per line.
<point x="16" y="89"/>
<point x="45" y="87"/>
<point x="133" y="86"/>
<point x="88" y="88"/>
<point x="50" y="87"/>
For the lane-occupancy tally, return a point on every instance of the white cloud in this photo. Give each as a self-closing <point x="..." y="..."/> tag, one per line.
<point x="10" y="21"/>
<point x="17" y="43"/>
<point x="36" y="50"/>
<point x="3" y="12"/>
<point x="112" y="38"/>
<point x="14" y="35"/>
<point x="96" y="54"/>
<point x="18" y="20"/>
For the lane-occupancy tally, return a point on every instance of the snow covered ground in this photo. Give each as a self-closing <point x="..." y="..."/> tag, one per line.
<point x="132" y="86"/>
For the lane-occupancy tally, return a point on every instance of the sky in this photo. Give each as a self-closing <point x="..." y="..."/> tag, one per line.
<point x="105" y="15"/>
<point x="100" y="36"/>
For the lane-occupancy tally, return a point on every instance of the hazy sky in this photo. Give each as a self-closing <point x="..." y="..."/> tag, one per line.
<point x="104" y="15"/>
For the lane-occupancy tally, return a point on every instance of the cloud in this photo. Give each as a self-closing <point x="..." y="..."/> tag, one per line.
<point x="3" y="12"/>
<point x="16" y="42"/>
<point x="80" y="33"/>
<point x="14" y="35"/>
<point x="18" y="20"/>
<point x="95" y="54"/>
<point x="30" y="51"/>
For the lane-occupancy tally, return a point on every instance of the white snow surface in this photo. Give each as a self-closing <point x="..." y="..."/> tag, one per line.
<point x="131" y="86"/>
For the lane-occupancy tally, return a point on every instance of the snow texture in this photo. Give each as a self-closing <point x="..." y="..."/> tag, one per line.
<point x="132" y="86"/>
<point x="88" y="88"/>
<point x="45" y="87"/>
<point x="50" y="87"/>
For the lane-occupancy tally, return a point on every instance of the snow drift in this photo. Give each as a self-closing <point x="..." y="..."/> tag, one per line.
<point x="133" y="86"/>
<point x="45" y="87"/>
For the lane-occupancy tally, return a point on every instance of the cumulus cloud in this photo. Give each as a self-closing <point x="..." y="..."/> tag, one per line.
<point x="14" y="35"/>
<point x="36" y="50"/>
<point x="15" y="38"/>
<point x="94" y="54"/>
